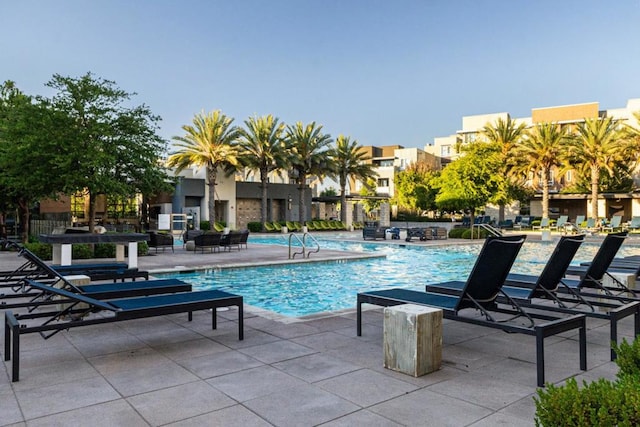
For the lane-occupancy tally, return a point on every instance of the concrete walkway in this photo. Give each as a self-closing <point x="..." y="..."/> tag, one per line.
<point x="168" y="371"/>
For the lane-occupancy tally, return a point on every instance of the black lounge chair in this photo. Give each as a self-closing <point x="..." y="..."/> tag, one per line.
<point x="39" y="270"/>
<point x="546" y="285"/>
<point x="76" y="312"/>
<point x="231" y="240"/>
<point x="209" y="241"/>
<point x="35" y="268"/>
<point x="480" y="292"/>
<point x="160" y="241"/>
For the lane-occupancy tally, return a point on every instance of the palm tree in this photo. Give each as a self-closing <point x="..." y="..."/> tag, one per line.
<point x="597" y="146"/>
<point x="262" y="148"/>
<point x="505" y="134"/>
<point x="349" y="161"/>
<point x="308" y="149"/>
<point x="541" y="150"/>
<point x="211" y="142"/>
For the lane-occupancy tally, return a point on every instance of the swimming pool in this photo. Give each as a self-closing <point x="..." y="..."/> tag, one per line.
<point x="297" y="290"/>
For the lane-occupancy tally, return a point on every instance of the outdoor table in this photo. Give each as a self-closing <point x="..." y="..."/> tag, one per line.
<point x="62" y="245"/>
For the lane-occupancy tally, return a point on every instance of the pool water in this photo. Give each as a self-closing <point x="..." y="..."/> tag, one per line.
<point x="309" y="288"/>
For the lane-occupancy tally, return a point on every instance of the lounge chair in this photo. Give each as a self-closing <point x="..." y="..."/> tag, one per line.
<point x="218" y="226"/>
<point x="189" y="235"/>
<point x="50" y="323"/>
<point x="269" y="227"/>
<point x="42" y="271"/>
<point x="524" y="223"/>
<point x="546" y="285"/>
<point x="276" y="226"/>
<point x="614" y="225"/>
<point x="544" y="223"/>
<point x="160" y="240"/>
<point x="231" y="240"/>
<point x="244" y="239"/>
<point x="36" y="268"/>
<point x="480" y="292"/>
<point x="634" y="224"/>
<point x="560" y="224"/>
<point x="211" y="241"/>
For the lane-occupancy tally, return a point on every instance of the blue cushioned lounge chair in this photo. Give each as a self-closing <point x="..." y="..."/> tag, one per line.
<point x="545" y="286"/>
<point x="76" y="311"/>
<point x="480" y="293"/>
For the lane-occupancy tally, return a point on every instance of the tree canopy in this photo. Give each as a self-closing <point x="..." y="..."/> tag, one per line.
<point x="471" y="181"/>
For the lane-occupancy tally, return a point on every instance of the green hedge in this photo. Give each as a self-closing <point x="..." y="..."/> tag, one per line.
<point x="254" y="227"/>
<point x="83" y="250"/>
<point x="599" y="403"/>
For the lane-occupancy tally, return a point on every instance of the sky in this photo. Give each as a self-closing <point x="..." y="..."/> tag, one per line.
<point x="381" y="72"/>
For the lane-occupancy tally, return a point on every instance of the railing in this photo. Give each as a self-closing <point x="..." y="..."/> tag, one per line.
<point x="313" y="241"/>
<point x="293" y="237"/>
<point x="492" y="230"/>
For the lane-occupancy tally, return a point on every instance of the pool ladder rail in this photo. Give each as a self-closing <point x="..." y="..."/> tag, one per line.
<point x="305" y="250"/>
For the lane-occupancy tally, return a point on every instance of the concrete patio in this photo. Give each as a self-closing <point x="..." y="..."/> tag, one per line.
<point x="293" y="372"/>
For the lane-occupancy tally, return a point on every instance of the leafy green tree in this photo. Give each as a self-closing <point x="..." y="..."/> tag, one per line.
<point x="263" y="149"/>
<point x="470" y="181"/>
<point x="505" y="134"/>
<point x="349" y="161"/>
<point x="597" y="147"/>
<point x="104" y="146"/>
<point x="29" y="168"/>
<point x="414" y="189"/>
<point x="211" y="142"/>
<point x="371" y="201"/>
<point x="540" y="151"/>
<point x="308" y="149"/>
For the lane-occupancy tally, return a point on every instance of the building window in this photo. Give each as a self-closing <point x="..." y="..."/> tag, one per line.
<point x="568" y="176"/>
<point x="386" y="163"/>
<point x="383" y="182"/>
<point x="445" y="151"/>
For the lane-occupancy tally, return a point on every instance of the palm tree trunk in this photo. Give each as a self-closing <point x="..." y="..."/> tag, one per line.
<point x="263" y="208"/>
<point x="301" y="203"/>
<point x="500" y="212"/>
<point x="343" y="200"/>
<point x="595" y="178"/>
<point x="545" y="192"/>
<point x="211" y="172"/>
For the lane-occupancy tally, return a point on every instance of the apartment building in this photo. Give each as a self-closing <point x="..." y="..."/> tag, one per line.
<point x="446" y="149"/>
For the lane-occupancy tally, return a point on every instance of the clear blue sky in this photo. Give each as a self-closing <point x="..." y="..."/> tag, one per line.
<point x="382" y="72"/>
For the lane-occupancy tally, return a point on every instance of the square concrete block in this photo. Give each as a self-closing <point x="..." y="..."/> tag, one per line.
<point x="412" y="339"/>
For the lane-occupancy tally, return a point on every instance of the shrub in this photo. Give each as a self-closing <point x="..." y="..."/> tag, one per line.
<point x="628" y="359"/>
<point x="205" y="225"/>
<point x="478" y="233"/>
<point x="81" y="251"/>
<point x="456" y="233"/>
<point x="105" y="250"/>
<point x="43" y="251"/>
<point x="254" y="227"/>
<point x="602" y="402"/>
<point x="143" y="248"/>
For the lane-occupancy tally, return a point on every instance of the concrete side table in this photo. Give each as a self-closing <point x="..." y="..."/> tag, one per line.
<point x="412" y="339"/>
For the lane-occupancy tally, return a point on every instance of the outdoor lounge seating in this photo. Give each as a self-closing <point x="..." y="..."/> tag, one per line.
<point x="614" y="225"/>
<point x="189" y="235"/>
<point x="74" y="314"/>
<point x="231" y="240"/>
<point x="210" y="241"/>
<point x="560" y="224"/>
<point x="544" y="224"/>
<point x="373" y="231"/>
<point x="41" y="271"/>
<point x="634" y="224"/>
<point x="36" y="268"/>
<point x="160" y="240"/>
<point x="525" y="223"/>
<point x="480" y="293"/>
<point x="545" y="287"/>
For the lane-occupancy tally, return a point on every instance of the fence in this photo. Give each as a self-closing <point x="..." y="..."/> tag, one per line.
<point x="45" y="226"/>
